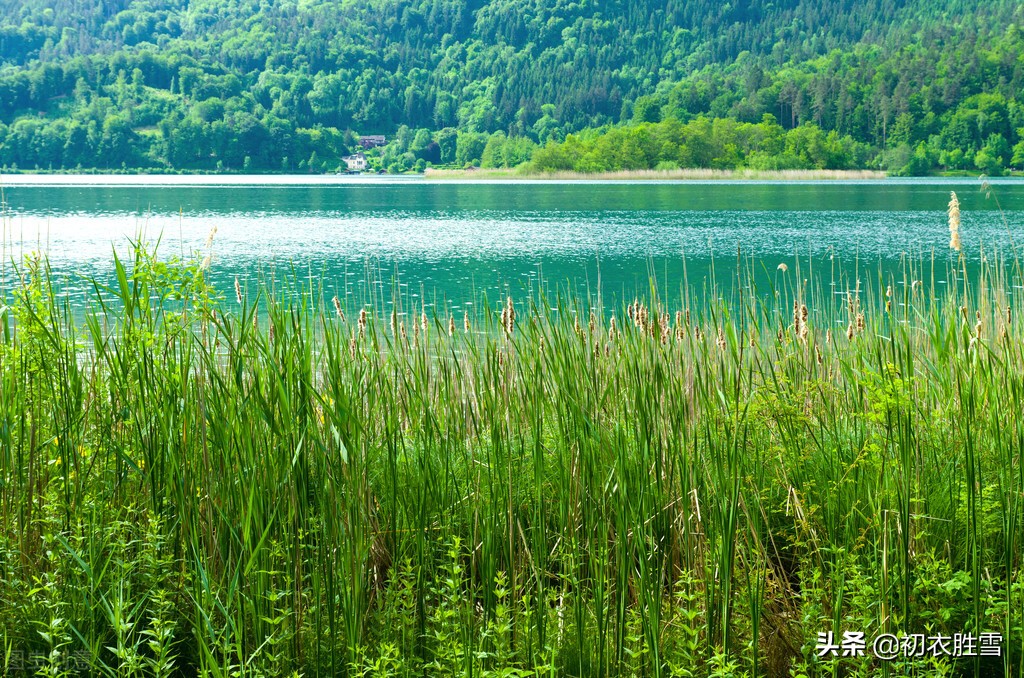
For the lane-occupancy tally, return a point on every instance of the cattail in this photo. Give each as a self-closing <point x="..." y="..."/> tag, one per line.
<point x="270" y="337"/>
<point x="796" y="317"/>
<point x="592" y="324"/>
<point x="849" y="303"/>
<point x="510" y="316"/>
<point x="362" y="322"/>
<point x="337" y="309"/>
<point x="963" y="312"/>
<point x="352" y="346"/>
<point x="576" y="326"/>
<point x="451" y="325"/>
<point x="393" y="322"/>
<point x="860" y="323"/>
<point x="888" y="299"/>
<point x="849" y="332"/>
<point x="666" y="328"/>
<point x="977" y="326"/>
<point x="721" y="340"/>
<point x="631" y="310"/>
<point x="817" y="354"/>
<point x="405" y="335"/>
<point x="238" y="291"/>
<point x="954" y="222"/>
<point x="255" y="322"/>
<point x="611" y="328"/>
<point x="465" y="322"/>
<point x="679" y="318"/>
<point x="423" y="322"/>
<point x="1009" y="316"/>
<point x="697" y="334"/>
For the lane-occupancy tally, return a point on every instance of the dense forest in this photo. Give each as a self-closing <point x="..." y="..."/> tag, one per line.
<point x="910" y="86"/>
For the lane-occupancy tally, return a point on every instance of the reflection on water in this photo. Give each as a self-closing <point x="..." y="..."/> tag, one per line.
<point x="454" y="241"/>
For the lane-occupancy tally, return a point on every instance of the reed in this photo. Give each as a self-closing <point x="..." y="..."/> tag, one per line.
<point x="188" y="487"/>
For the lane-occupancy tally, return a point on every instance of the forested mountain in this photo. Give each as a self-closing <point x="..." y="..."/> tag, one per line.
<point x="911" y="85"/>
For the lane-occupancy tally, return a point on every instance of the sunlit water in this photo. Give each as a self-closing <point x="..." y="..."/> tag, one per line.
<point x="453" y="242"/>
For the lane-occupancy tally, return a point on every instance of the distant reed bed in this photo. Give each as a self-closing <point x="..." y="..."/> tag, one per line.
<point x="302" y="485"/>
<point x="692" y="174"/>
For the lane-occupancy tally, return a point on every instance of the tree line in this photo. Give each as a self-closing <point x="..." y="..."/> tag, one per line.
<point x="909" y="86"/>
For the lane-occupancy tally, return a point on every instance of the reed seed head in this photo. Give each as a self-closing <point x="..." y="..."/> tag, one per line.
<point x="208" y="243"/>
<point x="337" y="309"/>
<point x="954" y="222"/>
<point x="465" y="322"/>
<point x="238" y="291"/>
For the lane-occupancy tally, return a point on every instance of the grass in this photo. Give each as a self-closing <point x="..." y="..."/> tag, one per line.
<point x="195" y="487"/>
<point x="691" y="174"/>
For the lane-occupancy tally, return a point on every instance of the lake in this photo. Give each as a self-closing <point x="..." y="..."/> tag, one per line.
<point x="449" y="242"/>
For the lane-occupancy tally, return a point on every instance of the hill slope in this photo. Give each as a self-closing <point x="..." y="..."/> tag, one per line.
<point x="265" y="84"/>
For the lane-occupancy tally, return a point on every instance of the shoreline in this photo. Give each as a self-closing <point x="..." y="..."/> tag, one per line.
<point x="481" y="176"/>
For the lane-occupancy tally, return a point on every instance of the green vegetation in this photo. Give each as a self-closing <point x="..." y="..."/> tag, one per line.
<point x="908" y="86"/>
<point x="282" y="484"/>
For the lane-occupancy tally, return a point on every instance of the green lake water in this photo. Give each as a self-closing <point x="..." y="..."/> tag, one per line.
<point x="452" y="242"/>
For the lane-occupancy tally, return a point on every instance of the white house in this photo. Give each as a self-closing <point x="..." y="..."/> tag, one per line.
<point x="355" y="162"/>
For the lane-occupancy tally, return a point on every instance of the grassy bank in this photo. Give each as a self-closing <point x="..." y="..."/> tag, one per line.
<point x="299" y="484"/>
<point x="694" y="174"/>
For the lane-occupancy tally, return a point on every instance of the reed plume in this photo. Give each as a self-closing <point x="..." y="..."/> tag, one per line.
<point x="337" y="308"/>
<point x="954" y="222"/>
<point x="208" y="243"/>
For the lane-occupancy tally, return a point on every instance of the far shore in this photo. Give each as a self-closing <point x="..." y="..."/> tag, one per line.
<point x="695" y="174"/>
